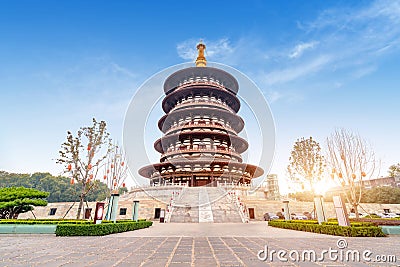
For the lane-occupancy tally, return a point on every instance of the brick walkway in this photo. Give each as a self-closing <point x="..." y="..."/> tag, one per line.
<point x="182" y="245"/>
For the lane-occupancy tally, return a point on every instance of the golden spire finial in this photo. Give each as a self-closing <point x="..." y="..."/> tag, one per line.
<point x="201" y="59"/>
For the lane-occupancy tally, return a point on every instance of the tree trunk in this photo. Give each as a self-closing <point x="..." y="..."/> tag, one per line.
<point x="355" y="207"/>
<point x="80" y="207"/>
<point x="313" y="196"/>
<point x="81" y="200"/>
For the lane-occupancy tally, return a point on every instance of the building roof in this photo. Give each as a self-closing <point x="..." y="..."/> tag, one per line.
<point x="223" y="77"/>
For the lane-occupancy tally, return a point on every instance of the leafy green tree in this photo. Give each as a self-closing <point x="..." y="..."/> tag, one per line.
<point x="16" y="200"/>
<point x="382" y="195"/>
<point x="99" y="192"/>
<point x="306" y="163"/>
<point x="305" y="196"/>
<point x="394" y="170"/>
<point x="84" y="155"/>
<point x="59" y="187"/>
<point x="122" y="190"/>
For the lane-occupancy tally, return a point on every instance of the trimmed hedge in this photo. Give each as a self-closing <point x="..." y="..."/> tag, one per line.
<point x="354" y="224"/>
<point x="100" y="229"/>
<point x="44" y="221"/>
<point x="330" y="228"/>
<point x="298" y="221"/>
<point x="129" y="220"/>
<point x="380" y="221"/>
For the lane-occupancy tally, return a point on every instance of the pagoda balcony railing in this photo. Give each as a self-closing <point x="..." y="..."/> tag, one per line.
<point x="167" y="184"/>
<point x="171" y="205"/>
<point x="162" y="177"/>
<point x="200" y="82"/>
<point x="201" y="150"/>
<point x="238" y="186"/>
<point x="194" y="124"/>
<point x="200" y="101"/>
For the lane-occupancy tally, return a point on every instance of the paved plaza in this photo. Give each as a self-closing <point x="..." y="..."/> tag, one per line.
<point x="204" y="244"/>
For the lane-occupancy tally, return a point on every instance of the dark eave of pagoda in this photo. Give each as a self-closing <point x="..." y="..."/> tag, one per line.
<point x="197" y="154"/>
<point x="224" y="78"/>
<point x="236" y="121"/>
<point x="239" y="143"/>
<point x="202" y="125"/>
<point x="197" y="89"/>
<point x="147" y="171"/>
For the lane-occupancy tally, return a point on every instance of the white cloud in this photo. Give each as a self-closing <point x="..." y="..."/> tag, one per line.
<point x="274" y="96"/>
<point x="343" y="41"/>
<point x="338" y="84"/>
<point x="363" y="71"/>
<point x="384" y="48"/>
<point x="374" y="28"/>
<point x="215" y="49"/>
<point x="300" y="48"/>
<point x="389" y="9"/>
<point x="355" y="38"/>
<point x="187" y="50"/>
<point x="292" y="73"/>
<point x="118" y="69"/>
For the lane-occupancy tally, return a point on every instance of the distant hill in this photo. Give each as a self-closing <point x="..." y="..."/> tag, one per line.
<point x="59" y="187"/>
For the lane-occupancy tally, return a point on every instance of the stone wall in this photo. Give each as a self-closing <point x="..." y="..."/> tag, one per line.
<point x="62" y="209"/>
<point x="146" y="210"/>
<point x="149" y="199"/>
<point x="154" y="197"/>
<point x="262" y="206"/>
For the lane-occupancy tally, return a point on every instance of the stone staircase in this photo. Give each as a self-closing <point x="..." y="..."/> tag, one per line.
<point x="186" y="209"/>
<point x="205" y="211"/>
<point x="223" y="207"/>
<point x="204" y="205"/>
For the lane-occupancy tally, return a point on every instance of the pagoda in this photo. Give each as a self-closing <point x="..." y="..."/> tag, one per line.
<point x="200" y="145"/>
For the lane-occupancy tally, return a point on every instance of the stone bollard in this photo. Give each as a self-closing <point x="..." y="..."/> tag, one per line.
<point x="286" y="211"/>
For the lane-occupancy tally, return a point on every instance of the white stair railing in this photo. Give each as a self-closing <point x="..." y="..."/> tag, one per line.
<point x="240" y="206"/>
<point x="176" y="196"/>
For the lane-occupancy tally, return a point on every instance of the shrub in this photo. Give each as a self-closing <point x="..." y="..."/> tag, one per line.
<point x="380" y="221"/>
<point x="331" y="228"/>
<point x="301" y="221"/>
<point x="45" y="221"/>
<point x="100" y="229"/>
<point x="353" y="224"/>
<point x="330" y="222"/>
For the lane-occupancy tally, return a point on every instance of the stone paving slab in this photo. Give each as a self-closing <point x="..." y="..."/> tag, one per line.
<point x="180" y="245"/>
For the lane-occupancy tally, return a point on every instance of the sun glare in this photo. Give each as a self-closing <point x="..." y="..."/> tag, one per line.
<point x="322" y="187"/>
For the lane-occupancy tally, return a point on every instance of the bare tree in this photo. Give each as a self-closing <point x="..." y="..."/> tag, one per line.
<point x="306" y="164"/>
<point x="84" y="155"/>
<point x="351" y="160"/>
<point x="116" y="169"/>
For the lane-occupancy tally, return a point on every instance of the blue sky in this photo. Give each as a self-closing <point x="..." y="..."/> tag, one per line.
<point x="320" y="64"/>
